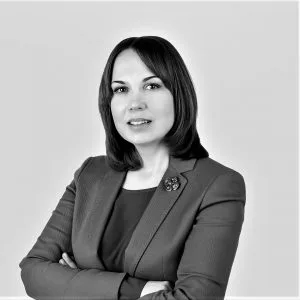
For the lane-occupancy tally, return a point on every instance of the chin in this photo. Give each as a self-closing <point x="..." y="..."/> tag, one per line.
<point x="142" y="141"/>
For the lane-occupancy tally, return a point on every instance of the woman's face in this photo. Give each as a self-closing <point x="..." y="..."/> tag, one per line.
<point x="136" y="97"/>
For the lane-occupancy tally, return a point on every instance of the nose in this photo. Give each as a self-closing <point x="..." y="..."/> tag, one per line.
<point x="137" y="104"/>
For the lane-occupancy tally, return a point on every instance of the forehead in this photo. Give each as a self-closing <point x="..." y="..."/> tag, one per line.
<point x="128" y="63"/>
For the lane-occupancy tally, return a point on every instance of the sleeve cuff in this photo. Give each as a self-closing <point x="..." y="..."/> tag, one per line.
<point x="131" y="288"/>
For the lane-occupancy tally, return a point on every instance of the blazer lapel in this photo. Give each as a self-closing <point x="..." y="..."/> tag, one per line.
<point x="103" y="202"/>
<point x="156" y="211"/>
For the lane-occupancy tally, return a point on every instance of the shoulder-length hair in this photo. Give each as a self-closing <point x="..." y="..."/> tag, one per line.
<point x="164" y="61"/>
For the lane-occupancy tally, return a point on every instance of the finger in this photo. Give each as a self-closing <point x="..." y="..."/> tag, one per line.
<point x="168" y="285"/>
<point x="69" y="261"/>
<point x="62" y="262"/>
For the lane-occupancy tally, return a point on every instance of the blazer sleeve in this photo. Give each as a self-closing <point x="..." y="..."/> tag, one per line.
<point x="131" y="288"/>
<point x="41" y="273"/>
<point x="211" y="245"/>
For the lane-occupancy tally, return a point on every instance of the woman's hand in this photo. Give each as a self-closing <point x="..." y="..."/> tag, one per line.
<point x="154" y="286"/>
<point x="67" y="261"/>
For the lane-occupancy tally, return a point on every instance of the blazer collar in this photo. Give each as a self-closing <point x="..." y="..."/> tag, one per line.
<point x="157" y="209"/>
<point x="182" y="165"/>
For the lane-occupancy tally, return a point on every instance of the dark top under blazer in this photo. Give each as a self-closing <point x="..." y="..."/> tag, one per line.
<point x="127" y="210"/>
<point x="188" y="236"/>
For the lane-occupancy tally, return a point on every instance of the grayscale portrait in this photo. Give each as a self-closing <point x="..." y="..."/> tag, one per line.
<point x="152" y="150"/>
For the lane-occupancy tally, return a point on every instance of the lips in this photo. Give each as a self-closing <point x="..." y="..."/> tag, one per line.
<point x="139" y="120"/>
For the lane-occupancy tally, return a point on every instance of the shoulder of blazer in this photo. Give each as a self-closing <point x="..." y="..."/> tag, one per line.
<point x="211" y="171"/>
<point x="212" y="166"/>
<point x="93" y="167"/>
<point x="99" y="165"/>
<point x="96" y="168"/>
<point x="207" y="170"/>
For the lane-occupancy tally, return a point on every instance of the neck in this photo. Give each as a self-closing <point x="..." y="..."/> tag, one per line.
<point x="155" y="159"/>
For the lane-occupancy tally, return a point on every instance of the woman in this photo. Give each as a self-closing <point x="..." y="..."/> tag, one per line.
<point x="155" y="218"/>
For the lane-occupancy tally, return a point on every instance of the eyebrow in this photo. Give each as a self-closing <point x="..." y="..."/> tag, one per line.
<point x="145" y="79"/>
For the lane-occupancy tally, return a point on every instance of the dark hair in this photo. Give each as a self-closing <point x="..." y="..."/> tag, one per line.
<point x="164" y="61"/>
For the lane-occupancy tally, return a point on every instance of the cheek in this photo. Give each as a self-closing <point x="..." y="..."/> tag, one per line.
<point x="167" y="110"/>
<point x="115" y="111"/>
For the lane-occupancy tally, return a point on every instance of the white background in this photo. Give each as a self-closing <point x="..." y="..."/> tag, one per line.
<point x="243" y="59"/>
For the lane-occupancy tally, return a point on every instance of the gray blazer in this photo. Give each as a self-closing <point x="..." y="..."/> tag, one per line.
<point x="188" y="236"/>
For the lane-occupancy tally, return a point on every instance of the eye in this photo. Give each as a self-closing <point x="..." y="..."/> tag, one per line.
<point x="155" y="85"/>
<point x="116" y="90"/>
